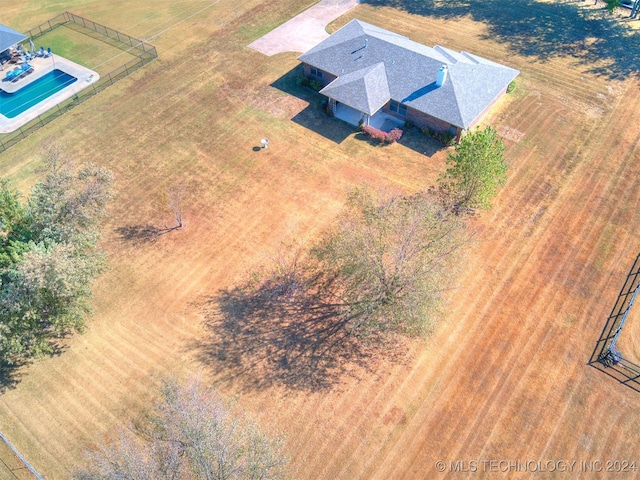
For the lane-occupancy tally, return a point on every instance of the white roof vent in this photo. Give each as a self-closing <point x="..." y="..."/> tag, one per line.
<point x="442" y="76"/>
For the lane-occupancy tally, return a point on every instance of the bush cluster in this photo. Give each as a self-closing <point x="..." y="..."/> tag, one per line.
<point x="311" y="83"/>
<point x="443" y="137"/>
<point x="382" y="137"/>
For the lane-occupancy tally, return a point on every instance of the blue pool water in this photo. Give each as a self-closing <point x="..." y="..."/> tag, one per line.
<point x="13" y="104"/>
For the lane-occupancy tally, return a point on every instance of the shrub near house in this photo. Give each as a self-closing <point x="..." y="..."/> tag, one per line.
<point x="382" y="137"/>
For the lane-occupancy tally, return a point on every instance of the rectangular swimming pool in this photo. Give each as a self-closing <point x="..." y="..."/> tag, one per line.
<point x="13" y="104"/>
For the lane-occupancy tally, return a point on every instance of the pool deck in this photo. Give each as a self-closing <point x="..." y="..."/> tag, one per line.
<point x="42" y="66"/>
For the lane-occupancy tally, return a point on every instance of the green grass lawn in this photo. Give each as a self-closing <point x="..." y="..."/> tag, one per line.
<point x="87" y="48"/>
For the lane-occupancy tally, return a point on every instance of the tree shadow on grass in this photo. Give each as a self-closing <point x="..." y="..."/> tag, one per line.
<point x="312" y="117"/>
<point x="10" y="376"/>
<point x="142" y="233"/>
<point x="11" y="373"/>
<point x="543" y="30"/>
<point x="271" y="335"/>
<point x="419" y="142"/>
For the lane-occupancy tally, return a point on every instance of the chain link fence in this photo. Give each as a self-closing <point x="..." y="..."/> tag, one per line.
<point x="142" y="51"/>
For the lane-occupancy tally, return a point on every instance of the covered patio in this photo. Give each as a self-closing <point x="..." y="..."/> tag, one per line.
<point x="8" y="39"/>
<point x="360" y="95"/>
<point x="380" y="120"/>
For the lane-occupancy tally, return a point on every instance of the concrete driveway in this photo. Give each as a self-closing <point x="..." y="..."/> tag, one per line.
<point x="303" y="31"/>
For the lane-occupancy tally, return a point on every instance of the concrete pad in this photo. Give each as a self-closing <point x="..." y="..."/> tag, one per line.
<point x="303" y="31"/>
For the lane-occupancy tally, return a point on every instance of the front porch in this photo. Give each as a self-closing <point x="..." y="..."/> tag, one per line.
<point x="380" y="120"/>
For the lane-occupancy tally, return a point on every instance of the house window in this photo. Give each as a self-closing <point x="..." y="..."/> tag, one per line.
<point x="316" y="73"/>
<point x="398" y="108"/>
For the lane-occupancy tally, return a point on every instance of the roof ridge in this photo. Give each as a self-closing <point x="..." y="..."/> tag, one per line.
<point x="470" y="56"/>
<point x="373" y="70"/>
<point x="407" y="65"/>
<point x="373" y="83"/>
<point x="455" y="98"/>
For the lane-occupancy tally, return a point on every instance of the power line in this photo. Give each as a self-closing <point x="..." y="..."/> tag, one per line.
<point x="183" y="20"/>
<point x="160" y="33"/>
<point x="47" y="93"/>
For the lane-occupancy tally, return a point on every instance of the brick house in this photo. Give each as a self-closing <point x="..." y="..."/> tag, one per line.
<point x="365" y="70"/>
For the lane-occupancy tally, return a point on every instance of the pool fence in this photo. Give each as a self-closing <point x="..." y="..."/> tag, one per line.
<point x="142" y="52"/>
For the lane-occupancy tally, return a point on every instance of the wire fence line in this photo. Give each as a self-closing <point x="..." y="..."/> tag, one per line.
<point x="606" y="353"/>
<point x="20" y="457"/>
<point x="67" y="17"/>
<point x="143" y="52"/>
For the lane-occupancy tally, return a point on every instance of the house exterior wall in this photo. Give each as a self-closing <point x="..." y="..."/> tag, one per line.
<point x="326" y="79"/>
<point x="422" y="120"/>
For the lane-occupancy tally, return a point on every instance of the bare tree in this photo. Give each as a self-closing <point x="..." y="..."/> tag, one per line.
<point x="192" y="433"/>
<point x="389" y="259"/>
<point x="175" y="195"/>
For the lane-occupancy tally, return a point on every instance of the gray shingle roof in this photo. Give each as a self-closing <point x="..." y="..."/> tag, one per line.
<point x="366" y="89"/>
<point x="9" y="37"/>
<point x="360" y="53"/>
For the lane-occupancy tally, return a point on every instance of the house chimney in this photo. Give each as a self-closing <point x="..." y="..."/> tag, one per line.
<point x="442" y="76"/>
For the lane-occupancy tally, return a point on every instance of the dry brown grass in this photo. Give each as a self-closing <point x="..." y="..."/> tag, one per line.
<point x="11" y="467"/>
<point x="504" y="377"/>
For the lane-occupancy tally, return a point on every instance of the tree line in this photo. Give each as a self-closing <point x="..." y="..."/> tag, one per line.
<point x="49" y="255"/>
<point x="385" y="262"/>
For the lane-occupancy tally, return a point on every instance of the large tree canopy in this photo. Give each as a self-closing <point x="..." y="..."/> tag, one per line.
<point x="390" y="258"/>
<point x="49" y="255"/>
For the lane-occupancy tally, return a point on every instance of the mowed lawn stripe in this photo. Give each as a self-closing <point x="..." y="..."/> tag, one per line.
<point x="472" y="334"/>
<point x="579" y="235"/>
<point x="482" y="294"/>
<point x="585" y="238"/>
<point x="366" y="408"/>
<point x="451" y="374"/>
<point x="480" y="361"/>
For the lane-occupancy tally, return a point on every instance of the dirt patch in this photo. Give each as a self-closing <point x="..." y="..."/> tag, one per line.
<point x="395" y="416"/>
<point x="510" y="134"/>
